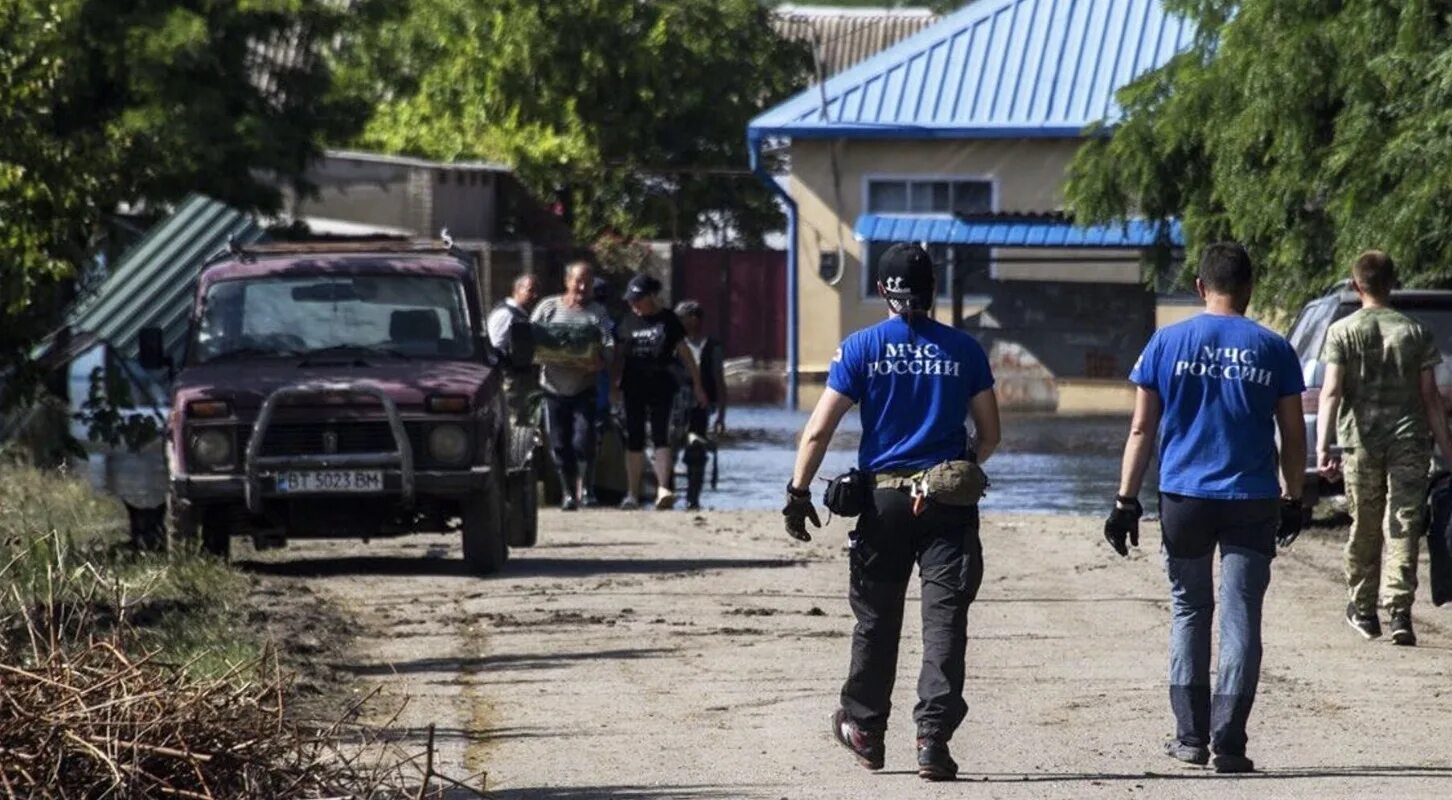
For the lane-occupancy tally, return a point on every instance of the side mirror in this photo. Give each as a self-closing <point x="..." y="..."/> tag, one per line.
<point x="153" y="350"/>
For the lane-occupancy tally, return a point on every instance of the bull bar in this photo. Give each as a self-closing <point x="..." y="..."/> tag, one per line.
<point x="255" y="462"/>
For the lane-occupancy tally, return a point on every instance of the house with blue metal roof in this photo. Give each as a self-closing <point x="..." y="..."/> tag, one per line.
<point x="959" y="138"/>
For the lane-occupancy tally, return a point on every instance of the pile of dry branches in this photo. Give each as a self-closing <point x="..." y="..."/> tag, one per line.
<point x="84" y="715"/>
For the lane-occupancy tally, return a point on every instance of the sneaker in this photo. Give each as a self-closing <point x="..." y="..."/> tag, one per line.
<point x="866" y="746"/>
<point x="1199" y="755"/>
<point x="629" y="503"/>
<point x="693" y="505"/>
<point x="665" y="502"/>
<point x="1401" y="629"/>
<point x="1230" y="764"/>
<point x="934" y="762"/>
<point x="569" y="504"/>
<point x="1368" y="626"/>
<point x="589" y="500"/>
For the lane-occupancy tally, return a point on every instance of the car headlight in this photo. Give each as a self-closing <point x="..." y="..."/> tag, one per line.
<point x="448" y="444"/>
<point x="212" y="448"/>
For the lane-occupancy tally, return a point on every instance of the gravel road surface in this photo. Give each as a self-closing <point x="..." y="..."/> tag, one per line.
<point x="670" y="655"/>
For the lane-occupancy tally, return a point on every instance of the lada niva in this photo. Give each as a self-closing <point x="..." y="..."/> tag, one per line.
<point x="343" y="390"/>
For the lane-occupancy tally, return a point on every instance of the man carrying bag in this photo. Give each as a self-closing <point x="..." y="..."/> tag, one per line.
<point x="915" y="381"/>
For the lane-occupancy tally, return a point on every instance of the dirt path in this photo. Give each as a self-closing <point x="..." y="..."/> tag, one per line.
<point x="650" y="655"/>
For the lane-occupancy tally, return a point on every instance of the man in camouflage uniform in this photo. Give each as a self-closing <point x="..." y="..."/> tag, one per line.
<point x="1382" y="394"/>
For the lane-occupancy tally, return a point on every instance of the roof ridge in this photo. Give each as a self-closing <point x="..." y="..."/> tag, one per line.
<point x="993" y="67"/>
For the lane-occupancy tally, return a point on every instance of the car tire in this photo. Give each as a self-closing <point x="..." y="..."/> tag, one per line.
<point x="483" y="521"/>
<point x="522" y="489"/>
<point x="523" y="509"/>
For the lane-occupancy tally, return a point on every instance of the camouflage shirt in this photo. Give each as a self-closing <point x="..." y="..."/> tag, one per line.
<point x="1382" y="354"/>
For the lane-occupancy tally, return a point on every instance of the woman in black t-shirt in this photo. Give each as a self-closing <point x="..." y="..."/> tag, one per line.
<point x="649" y="341"/>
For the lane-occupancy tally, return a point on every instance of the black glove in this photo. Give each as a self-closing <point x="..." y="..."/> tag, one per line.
<point x="1292" y="518"/>
<point x="1123" y="522"/>
<point x="798" y="510"/>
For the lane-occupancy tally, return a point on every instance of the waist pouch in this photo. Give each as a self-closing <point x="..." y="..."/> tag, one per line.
<point x="849" y="495"/>
<point x="953" y="483"/>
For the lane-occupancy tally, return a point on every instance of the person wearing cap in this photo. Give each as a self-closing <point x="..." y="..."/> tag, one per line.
<point x="570" y="389"/>
<point x="651" y="338"/>
<point x="915" y="382"/>
<point x="1216" y="388"/>
<point x="710" y="358"/>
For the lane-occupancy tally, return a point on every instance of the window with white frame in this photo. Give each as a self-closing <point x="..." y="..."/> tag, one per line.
<point x="971" y="265"/>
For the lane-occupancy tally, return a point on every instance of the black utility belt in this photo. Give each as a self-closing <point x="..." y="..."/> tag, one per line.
<point x="958" y="482"/>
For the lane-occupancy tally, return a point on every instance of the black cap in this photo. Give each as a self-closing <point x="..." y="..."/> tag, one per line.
<point x="640" y="286"/>
<point x="906" y="272"/>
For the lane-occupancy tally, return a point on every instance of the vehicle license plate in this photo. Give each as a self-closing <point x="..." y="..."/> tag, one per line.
<point x="333" y="480"/>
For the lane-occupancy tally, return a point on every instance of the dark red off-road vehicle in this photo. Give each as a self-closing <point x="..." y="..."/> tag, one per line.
<point x="344" y="391"/>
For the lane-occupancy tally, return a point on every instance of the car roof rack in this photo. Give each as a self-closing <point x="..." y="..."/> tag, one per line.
<point x="247" y="252"/>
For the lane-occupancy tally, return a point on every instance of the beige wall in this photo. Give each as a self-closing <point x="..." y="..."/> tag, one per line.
<point x="1027" y="176"/>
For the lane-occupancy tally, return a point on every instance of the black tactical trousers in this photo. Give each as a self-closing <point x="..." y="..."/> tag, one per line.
<point x="944" y="544"/>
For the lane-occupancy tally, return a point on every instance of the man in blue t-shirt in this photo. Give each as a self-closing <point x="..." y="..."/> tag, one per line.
<point x="915" y="381"/>
<point x="1216" y="388"/>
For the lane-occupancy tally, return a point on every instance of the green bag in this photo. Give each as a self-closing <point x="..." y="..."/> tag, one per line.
<point x="953" y="483"/>
<point x="566" y="345"/>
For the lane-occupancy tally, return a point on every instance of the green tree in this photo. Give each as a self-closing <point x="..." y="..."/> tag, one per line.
<point x="1306" y="130"/>
<point x="632" y="115"/>
<point x="138" y="103"/>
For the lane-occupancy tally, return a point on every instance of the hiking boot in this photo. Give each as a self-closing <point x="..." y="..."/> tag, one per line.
<point x="866" y="746"/>
<point x="1231" y="764"/>
<point x="934" y="762"/>
<point x="1368" y="626"/>
<point x="1401" y="629"/>
<point x="1199" y="755"/>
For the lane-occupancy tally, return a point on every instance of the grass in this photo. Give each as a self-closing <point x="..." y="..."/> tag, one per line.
<point x="63" y="545"/>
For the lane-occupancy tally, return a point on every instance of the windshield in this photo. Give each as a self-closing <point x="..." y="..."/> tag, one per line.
<point x="404" y="316"/>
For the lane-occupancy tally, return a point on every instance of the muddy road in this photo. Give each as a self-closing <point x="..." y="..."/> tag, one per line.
<point x="669" y="655"/>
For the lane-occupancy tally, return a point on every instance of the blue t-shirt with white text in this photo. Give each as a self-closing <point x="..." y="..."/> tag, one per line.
<point x="912" y="386"/>
<point x="1219" y="379"/>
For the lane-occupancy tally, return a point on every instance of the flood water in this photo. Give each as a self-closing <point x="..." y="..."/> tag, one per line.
<point x="1047" y="463"/>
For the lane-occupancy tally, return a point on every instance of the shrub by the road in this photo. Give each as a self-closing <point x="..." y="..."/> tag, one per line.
<point x="127" y="674"/>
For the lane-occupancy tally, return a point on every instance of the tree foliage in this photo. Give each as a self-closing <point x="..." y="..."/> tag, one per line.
<point x="1306" y="130"/>
<point x="632" y="115"/>
<point x="105" y="103"/>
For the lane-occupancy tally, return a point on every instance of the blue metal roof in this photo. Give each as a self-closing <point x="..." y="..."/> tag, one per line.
<point x="1010" y="232"/>
<point x="152" y="283"/>
<point x="996" y="68"/>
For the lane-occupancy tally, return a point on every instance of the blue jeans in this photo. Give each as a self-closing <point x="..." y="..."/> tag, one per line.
<point x="1244" y="531"/>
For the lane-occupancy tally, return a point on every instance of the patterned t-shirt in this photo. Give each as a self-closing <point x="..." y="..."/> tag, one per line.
<point x="1382" y="353"/>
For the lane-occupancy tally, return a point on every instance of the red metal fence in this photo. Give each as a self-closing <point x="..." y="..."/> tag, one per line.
<point x="743" y="293"/>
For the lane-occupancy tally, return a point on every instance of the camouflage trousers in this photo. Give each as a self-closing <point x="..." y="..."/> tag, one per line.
<point x="1386" y="491"/>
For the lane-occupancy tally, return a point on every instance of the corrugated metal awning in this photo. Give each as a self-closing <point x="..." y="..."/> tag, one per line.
<point x="844" y="37"/>
<point x="152" y="283"/>
<point x="1012" y="232"/>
